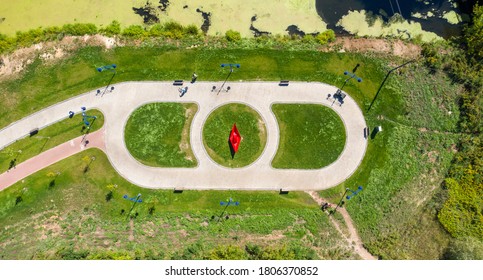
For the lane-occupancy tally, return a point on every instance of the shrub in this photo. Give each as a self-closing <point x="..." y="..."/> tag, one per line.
<point x="30" y="37"/>
<point x="461" y="214"/>
<point x="229" y="252"/>
<point x="134" y="31"/>
<point x="326" y="37"/>
<point x="79" y="29"/>
<point x="114" y="28"/>
<point x="232" y="35"/>
<point x="192" y="30"/>
<point x="156" y="30"/>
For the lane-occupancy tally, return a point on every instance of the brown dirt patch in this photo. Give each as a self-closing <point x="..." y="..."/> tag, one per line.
<point x="13" y="63"/>
<point x="394" y="47"/>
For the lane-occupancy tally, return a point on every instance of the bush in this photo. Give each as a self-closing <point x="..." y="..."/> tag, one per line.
<point x="156" y="30"/>
<point x="30" y="37"/>
<point x="326" y="37"/>
<point x="79" y="29"/>
<point x="232" y="35"/>
<point x="192" y="30"/>
<point x="134" y="31"/>
<point x="229" y="252"/>
<point x="464" y="249"/>
<point x="461" y="214"/>
<point x="114" y="28"/>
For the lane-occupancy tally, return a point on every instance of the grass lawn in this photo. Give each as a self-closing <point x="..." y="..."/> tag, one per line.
<point x="41" y="85"/>
<point x="311" y="136"/>
<point x="47" y="138"/>
<point x="403" y="169"/>
<point x="157" y="134"/>
<point x="401" y="173"/>
<point x="77" y="219"/>
<point x="217" y="129"/>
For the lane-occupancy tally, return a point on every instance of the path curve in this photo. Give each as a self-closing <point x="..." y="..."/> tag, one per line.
<point x="126" y="97"/>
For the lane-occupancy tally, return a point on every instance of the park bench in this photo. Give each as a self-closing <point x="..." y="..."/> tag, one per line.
<point x="178" y="83"/>
<point x="283" y="83"/>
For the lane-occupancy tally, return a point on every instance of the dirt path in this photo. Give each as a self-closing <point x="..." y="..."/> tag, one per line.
<point x="353" y="239"/>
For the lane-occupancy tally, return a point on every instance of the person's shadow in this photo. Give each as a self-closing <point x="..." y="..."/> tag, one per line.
<point x="183" y="91"/>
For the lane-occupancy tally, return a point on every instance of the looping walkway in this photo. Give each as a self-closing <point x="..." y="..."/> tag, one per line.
<point x="126" y="97"/>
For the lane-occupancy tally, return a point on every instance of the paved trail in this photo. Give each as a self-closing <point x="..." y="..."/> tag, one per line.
<point x="126" y="97"/>
<point x="49" y="157"/>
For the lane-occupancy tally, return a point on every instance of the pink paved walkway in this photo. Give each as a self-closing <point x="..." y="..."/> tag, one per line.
<point x="49" y="157"/>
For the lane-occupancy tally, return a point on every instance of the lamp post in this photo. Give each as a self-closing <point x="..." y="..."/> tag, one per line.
<point x="347" y="197"/>
<point x="135" y="200"/>
<point x="385" y="78"/>
<point x="231" y="65"/>
<point x="226" y="204"/>
<point x="351" y="76"/>
<point x="112" y="68"/>
<point x="354" y="192"/>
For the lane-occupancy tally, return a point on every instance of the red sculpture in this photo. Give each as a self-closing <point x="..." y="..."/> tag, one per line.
<point x="235" y="138"/>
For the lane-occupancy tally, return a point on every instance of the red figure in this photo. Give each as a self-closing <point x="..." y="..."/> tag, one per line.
<point x="235" y="138"/>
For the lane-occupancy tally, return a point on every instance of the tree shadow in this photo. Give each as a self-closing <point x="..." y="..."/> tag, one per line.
<point x="12" y="164"/>
<point x="52" y="184"/>
<point x="109" y="196"/>
<point x="18" y="199"/>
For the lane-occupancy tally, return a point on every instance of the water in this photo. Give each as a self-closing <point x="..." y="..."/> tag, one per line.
<point x="331" y="12"/>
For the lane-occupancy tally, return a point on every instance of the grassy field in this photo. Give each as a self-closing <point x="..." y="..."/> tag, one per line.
<point x="311" y="136"/>
<point x="47" y="138"/>
<point x="42" y="84"/>
<point x="76" y="219"/>
<point x="216" y="132"/>
<point x="401" y="173"/>
<point x="157" y="134"/>
<point x="403" y="169"/>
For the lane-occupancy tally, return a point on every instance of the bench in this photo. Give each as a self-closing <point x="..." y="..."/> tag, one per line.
<point x="33" y="132"/>
<point x="283" y="192"/>
<point x="178" y="83"/>
<point x="283" y="83"/>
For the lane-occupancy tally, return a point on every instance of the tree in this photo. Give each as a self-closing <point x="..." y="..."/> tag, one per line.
<point x="474" y="34"/>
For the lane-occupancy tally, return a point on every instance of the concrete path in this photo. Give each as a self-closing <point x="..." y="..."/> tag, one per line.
<point x="49" y="157"/>
<point x="126" y="97"/>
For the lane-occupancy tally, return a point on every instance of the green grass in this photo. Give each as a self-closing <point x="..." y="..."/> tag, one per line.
<point x="217" y="129"/>
<point x="41" y="85"/>
<point x="73" y="218"/>
<point x="401" y="173"/>
<point x="47" y="138"/>
<point x="404" y="167"/>
<point x="158" y="134"/>
<point x="311" y="136"/>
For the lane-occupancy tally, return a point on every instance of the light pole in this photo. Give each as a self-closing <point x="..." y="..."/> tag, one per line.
<point x="135" y="200"/>
<point x="226" y="204"/>
<point x="385" y="78"/>
<point x="112" y="68"/>
<point x="351" y="76"/>
<point x="231" y="65"/>
<point x="347" y="197"/>
<point x="354" y="192"/>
